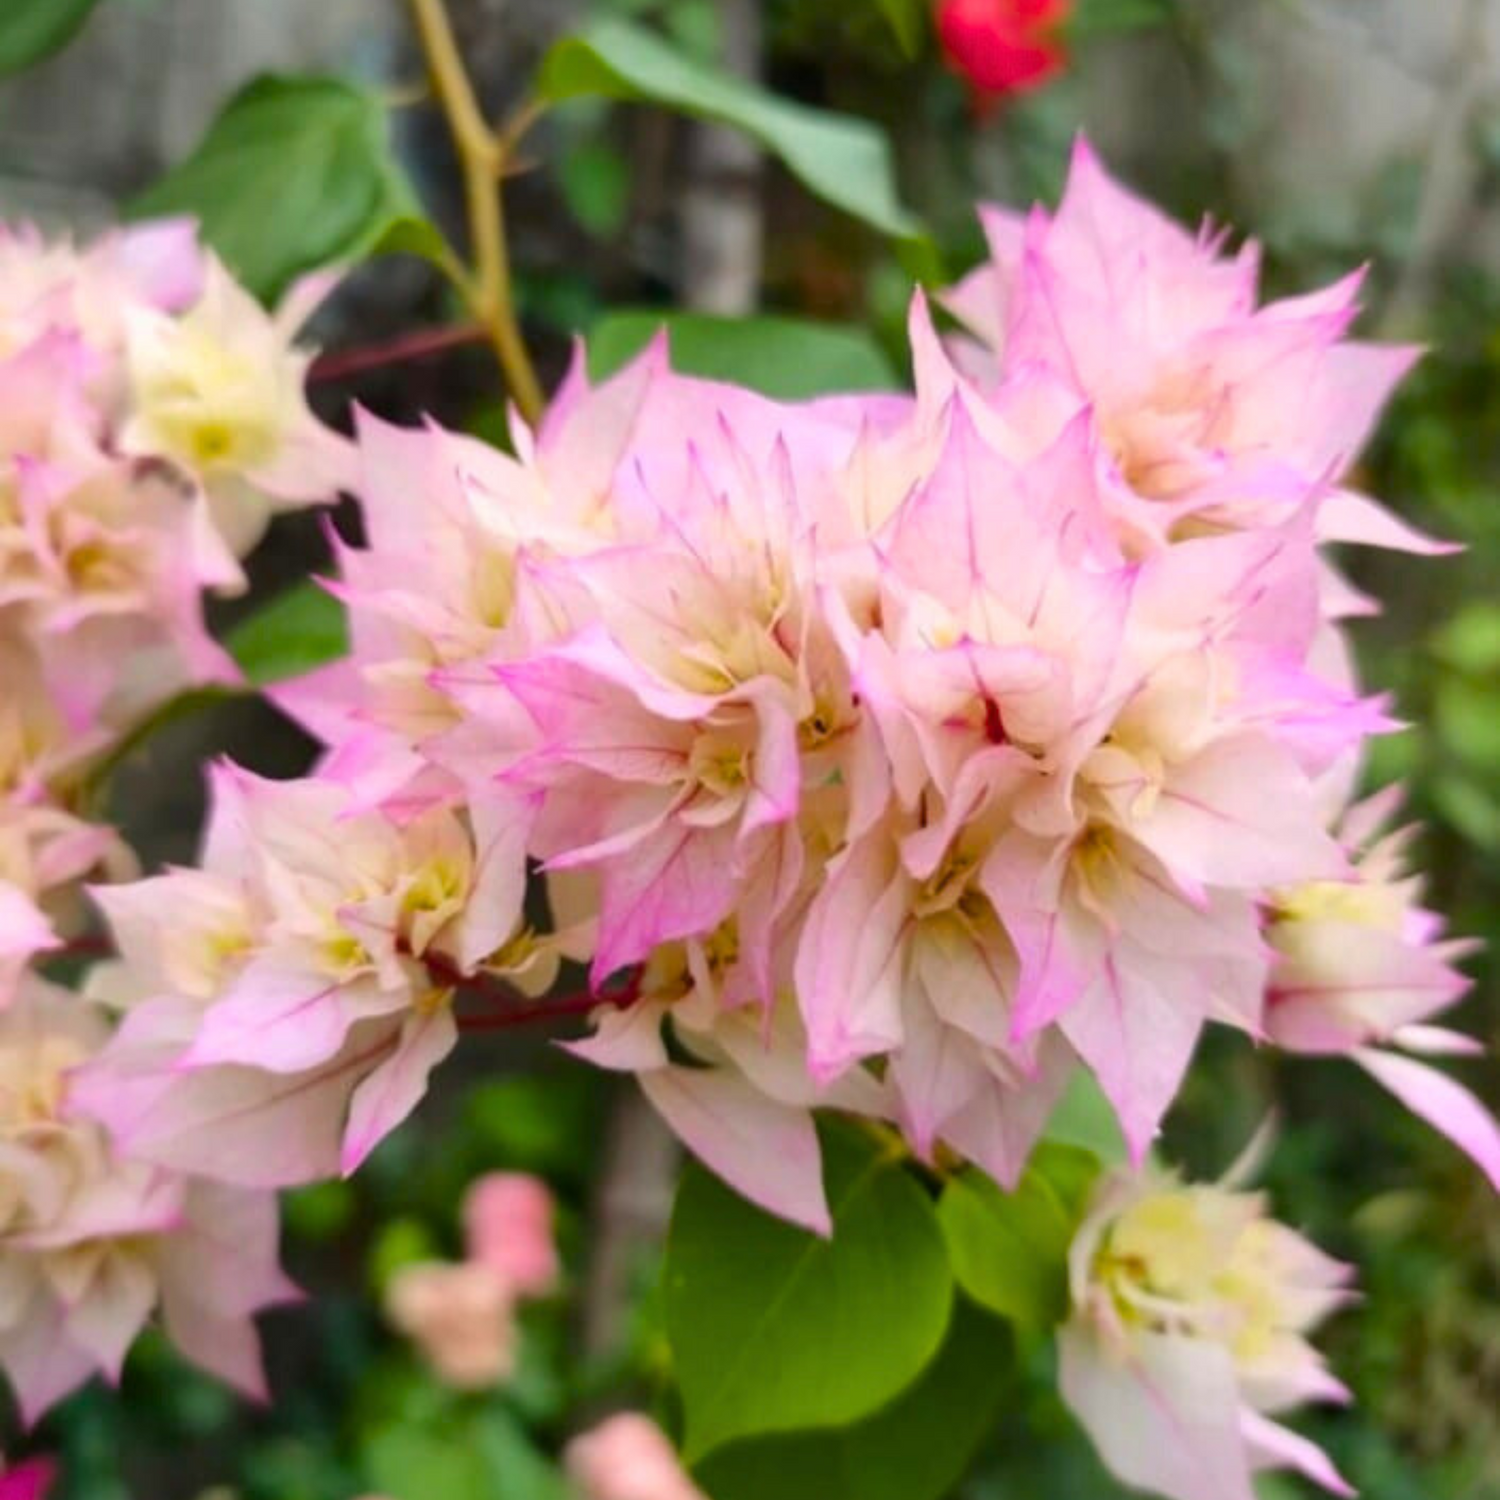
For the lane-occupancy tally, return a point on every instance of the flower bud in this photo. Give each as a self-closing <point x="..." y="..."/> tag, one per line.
<point x="508" y="1227"/>
<point x="628" y="1457"/>
<point x="460" y="1317"/>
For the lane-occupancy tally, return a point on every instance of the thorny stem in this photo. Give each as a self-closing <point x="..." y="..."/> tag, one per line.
<point x="485" y="157"/>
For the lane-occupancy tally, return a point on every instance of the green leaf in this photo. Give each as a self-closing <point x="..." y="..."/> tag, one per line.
<point x="1102" y="17"/>
<point x="775" y="1330"/>
<point x="302" y="628"/>
<point x="845" y="161"/>
<point x="488" y="1457"/>
<point x="1470" y="807"/>
<point x="791" y="359"/>
<point x="915" y="1448"/>
<point x="295" y="173"/>
<point x="1470" y="641"/>
<point x="410" y="1464"/>
<point x="1467" y="716"/>
<point x="906" y="19"/>
<point x="517" y="1471"/>
<point x="595" y="180"/>
<point x="1086" y="1119"/>
<point x="1010" y="1250"/>
<point x="33" y="29"/>
<point x="401" y="1242"/>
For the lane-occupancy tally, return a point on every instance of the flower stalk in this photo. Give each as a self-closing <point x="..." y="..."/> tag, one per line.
<point x="485" y="157"/>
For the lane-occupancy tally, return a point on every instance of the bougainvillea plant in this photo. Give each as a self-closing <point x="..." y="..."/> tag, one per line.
<point x="892" y="783"/>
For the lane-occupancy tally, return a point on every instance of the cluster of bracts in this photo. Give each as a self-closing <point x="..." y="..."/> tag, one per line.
<point x="904" y="756"/>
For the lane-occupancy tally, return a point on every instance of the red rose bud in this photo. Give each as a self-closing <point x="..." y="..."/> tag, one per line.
<point x="1003" y="46"/>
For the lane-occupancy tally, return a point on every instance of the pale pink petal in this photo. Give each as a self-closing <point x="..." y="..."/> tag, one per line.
<point x="113" y="1310"/>
<point x="501" y="826"/>
<point x="43" y="1364"/>
<point x="1273" y="1446"/>
<point x="1136" y="1026"/>
<point x="1241" y="815"/>
<point x="389" y="1094"/>
<point x="1163" y="1412"/>
<point x="625" y="1040"/>
<point x="286" y="1018"/>
<point x="850" y="961"/>
<point x="1444" y="1104"/>
<point x="768" y="1152"/>
<point x="1346" y="516"/>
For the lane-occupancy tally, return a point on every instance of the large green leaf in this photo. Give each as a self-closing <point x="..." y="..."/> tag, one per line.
<point x="775" y="1330"/>
<point x="788" y="358"/>
<point x="1010" y="1250"/>
<point x="915" y="1448"/>
<point x="845" y="161"/>
<point x="295" y="173"/>
<point x="33" y="29"/>
<point x="302" y="628"/>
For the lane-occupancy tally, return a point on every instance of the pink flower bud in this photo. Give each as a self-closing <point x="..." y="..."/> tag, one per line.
<point x="628" y="1457"/>
<point x="508" y="1226"/>
<point x="460" y="1317"/>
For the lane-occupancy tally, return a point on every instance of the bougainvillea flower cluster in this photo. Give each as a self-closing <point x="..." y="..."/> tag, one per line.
<point x="151" y="414"/>
<point x="904" y="756"/>
<point x="1190" y="1310"/>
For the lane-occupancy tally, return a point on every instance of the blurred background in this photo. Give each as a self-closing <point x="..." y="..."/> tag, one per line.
<point x="1338" y="132"/>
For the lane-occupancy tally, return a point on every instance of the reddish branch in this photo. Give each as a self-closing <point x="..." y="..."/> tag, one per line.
<point x="421" y="344"/>
<point x="539" y="1010"/>
<point x="507" y="1007"/>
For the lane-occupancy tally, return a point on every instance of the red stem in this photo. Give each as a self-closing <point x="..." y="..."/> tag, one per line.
<point x="94" y="945"/>
<point x="514" y="1009"/>
<point x="419" y="344"/>
<point x="511" y="1008"/>
<point x="541" y="1010"/>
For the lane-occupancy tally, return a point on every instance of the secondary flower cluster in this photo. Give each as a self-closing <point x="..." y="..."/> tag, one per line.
<point x="151" y="417"/>
<point x="904" y="756"/>
<point x="91" y="1244"/>
<point x="462" y="1314"/>
<point x="1189" y="1314"/>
